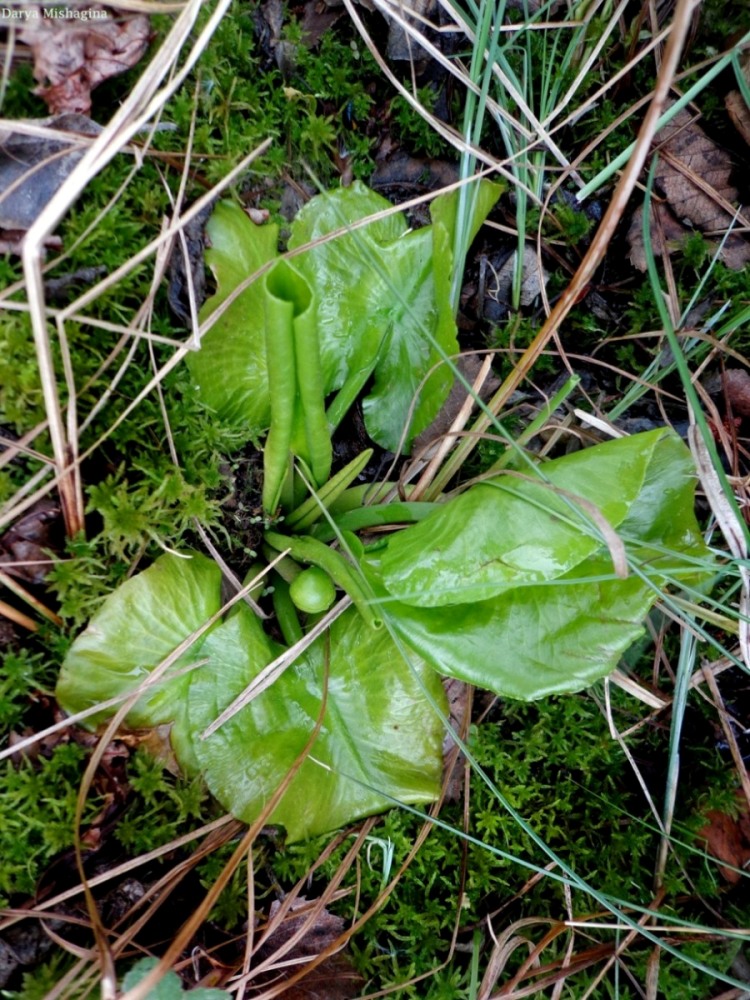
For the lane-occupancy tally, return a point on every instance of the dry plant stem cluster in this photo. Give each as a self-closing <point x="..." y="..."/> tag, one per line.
<point x="86" y="972"/>
<point x="255" y="938"/>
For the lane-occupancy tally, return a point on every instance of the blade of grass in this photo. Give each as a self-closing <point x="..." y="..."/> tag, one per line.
<point x="594" y="255"/>
<point x="690" y="94"/>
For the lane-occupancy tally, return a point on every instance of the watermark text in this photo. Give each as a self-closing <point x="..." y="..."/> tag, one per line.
<point x="60" y="13"/>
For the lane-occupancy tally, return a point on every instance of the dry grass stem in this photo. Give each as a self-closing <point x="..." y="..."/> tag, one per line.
<point x="598" y="246"/>
<point x="731" y="530"/>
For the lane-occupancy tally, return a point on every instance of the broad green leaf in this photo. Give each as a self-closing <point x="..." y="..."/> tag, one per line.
<point x="353" y="308"/>
<point x="379" y="738"/>
<point x="170" y="986"/>
<point x="533" y="641"/>
<point x="563" y="635"/>
<point x="229" y="370"/>
<point x="382" y="299"/>
<point x="137" y="627"/>
<point x="381" y="302"/>
<point x="513" y="532"/>
<point x="419" y="337"/>
<point x="662" y="518"/>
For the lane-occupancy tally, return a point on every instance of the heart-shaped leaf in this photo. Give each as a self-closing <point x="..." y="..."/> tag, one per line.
<point x="137" y="627"/>
<point x="380" y="740"/>
<point x="566" y="631"/>
<point x="511" y="532"/>
<point x="533" y="641"/>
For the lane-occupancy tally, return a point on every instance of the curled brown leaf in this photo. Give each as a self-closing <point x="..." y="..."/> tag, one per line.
<point x="693" y="181"/>
<point x="739" y="113"/>
<point x="73" y="55"/>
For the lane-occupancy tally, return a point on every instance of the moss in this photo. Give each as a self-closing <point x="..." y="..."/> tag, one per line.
<point x="554" y="762"/>
<point x="39" y="799"/>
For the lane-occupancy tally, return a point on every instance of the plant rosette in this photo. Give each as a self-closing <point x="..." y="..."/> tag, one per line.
<point x="527" y="611"/>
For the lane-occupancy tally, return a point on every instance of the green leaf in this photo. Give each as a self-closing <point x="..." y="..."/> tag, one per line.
<point x="382" y="298"/>
<point x="444" y="210"/>
<point x="420" y="335"/>
<point x="533" y="641"/>
<point x="230" y="369"/>
<point x="381" y="305"/>
<point x="379" y="740"/>
<point x="344" y="275"/>
<point x="661" y="520"/>
<point x="510" y="532"/>
<point x="136" y="627"/>
<point x="562" y="635"/>
<point x="297" y="394"/>
<point x="168" y="988"/>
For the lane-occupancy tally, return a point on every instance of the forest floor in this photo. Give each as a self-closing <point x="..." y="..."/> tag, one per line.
<point x="586" y="831"/>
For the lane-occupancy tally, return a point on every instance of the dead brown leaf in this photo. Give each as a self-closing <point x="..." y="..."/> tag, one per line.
<point x="319" y="18"/>
<point x="72" y="56"/>
<point x="693" y="174"/>
<point x="156" y="743"/>
<point x="534" y="277"/>
<point x="728" y="839"/>
<point x="334" y="978"/>
<point x="736" y="383"/>
<point x="739" y="113"/>
<point x="24" y="547"/>
<point x="322" y="932"/>
<point x="401" y="46"/>
<point x="33" y="166"/>
<point x="269" y="23"/>
<point x="735" y="103"/>
<point x="693" y="179"/>
<point x="468" y="365"/>
<point x="403" y="174"/>
<point x="735" y="253"/>
<point x="733" y="387"/>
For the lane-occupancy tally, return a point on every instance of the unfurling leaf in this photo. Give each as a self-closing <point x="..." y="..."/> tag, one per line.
<point x="380" y="310"/>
